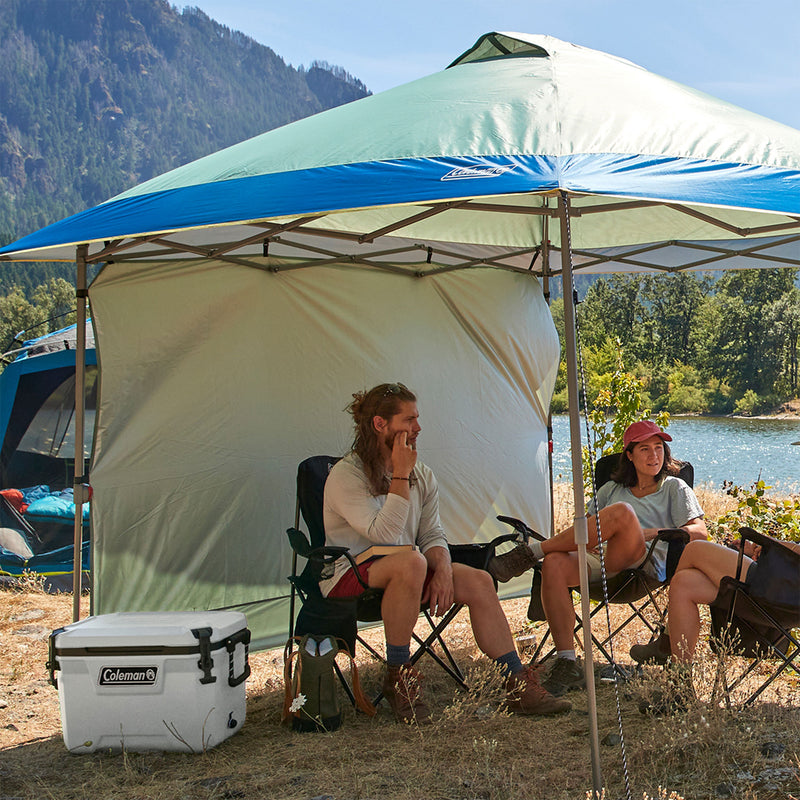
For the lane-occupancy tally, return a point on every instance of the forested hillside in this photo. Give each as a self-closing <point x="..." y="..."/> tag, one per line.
<point x="99" y="95"/>
<point x="717" y="343"/>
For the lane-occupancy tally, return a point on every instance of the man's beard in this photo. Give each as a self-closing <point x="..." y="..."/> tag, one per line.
<point x="389" y="437"/>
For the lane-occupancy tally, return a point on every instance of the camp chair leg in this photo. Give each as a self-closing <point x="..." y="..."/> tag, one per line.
<point x="370" y="649"/>
<point x="759" y="616"/>
<point x="345" y="684"/>
<point x="785" y="658"/>
<point x="537" y="653"/>
<point x="426" y="646"/>
<point x="637" y="612"/>
<point x="786" y="661"/>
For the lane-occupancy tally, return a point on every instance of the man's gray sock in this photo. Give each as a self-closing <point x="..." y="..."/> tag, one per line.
<point x="397" y="655"/>
<point x="509" y="663"/>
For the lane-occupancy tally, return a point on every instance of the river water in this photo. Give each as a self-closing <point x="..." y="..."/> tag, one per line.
<point x="720" y="448"/>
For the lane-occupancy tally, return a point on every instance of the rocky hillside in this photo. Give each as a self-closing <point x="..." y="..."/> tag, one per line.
<point x="99" y="95"/>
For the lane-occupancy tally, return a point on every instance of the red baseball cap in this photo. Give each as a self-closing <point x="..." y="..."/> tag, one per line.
<point x="639" y="431"/>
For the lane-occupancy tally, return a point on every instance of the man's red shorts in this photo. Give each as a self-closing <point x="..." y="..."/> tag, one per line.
<point x="348" y="585"/>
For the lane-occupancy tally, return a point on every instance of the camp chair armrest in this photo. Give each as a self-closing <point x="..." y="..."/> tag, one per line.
<point x="521" y="528"/>
<point x="325" y="555"/>
<point x="349" y="556"/>
<point x="748" y="534"/>
<point x="664" y="535"/>
<point x="502" y="539"/>
<point x="779" y="556"/>
<point x="673" y="535"/>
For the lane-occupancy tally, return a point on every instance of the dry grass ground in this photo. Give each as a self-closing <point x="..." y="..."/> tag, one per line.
<point x="474" y="750"/>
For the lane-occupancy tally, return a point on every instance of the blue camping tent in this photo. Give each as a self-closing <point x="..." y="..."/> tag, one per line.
<point x="37" y="455"/>
<point x="37" y="406"/>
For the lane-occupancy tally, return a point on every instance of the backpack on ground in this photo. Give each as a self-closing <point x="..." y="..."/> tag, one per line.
<point x="311" y="699"/>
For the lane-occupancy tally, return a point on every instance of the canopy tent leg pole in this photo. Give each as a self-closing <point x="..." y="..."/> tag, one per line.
<point x="581" y="525"/>
<point x="546" y="291"/>
<point x="79" y="481"/>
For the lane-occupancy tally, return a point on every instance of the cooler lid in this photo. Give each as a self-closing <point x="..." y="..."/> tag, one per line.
<point x="132" y="628"/>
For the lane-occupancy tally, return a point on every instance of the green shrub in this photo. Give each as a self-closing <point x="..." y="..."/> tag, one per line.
<point x="621" y="400"/>
<point x="748" y="404"/>
<point x="687" y="400"/>
<point x="720" y="400"/>
<point x="778" y="517"/>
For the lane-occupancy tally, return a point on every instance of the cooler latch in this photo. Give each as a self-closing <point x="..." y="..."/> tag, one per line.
<point x="206" y="662"/>
<point x="52" y="663"/>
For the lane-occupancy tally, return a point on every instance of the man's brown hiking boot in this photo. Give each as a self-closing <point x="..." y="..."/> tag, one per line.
<point x="525" y="695"/>
<point x="402" y="688"/>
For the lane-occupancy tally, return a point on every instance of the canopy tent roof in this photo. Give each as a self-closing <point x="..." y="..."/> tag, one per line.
<point x="461" y="168"/>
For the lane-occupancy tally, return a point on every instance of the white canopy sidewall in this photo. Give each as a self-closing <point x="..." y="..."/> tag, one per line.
<point x="218" y="380"/>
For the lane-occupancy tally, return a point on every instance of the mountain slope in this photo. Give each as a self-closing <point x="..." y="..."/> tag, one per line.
<point x="99" y="95"/>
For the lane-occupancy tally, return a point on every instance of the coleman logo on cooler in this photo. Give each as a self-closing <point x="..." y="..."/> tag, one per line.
<point x="128" y="676"/>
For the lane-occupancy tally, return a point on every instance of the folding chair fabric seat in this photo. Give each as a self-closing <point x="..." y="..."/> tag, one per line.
<point x="758" y="614"/>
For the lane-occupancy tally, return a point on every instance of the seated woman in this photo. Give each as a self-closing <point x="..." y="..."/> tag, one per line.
<point x="696" y="582"/>
<point x="643" y="496"/>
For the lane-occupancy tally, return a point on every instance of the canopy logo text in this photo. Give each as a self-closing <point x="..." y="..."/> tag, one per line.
<point x="461" y="173"/>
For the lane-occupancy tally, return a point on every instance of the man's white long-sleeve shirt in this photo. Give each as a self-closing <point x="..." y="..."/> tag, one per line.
<point x="356" y="519"/>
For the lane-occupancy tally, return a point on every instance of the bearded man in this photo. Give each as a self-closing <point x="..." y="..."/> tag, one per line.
<point x="381" y="494"/>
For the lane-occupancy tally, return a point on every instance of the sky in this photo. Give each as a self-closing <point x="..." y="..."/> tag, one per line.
<point x="747" y="53"/>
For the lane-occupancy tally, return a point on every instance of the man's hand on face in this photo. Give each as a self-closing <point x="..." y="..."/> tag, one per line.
<point x="404" y="456"/>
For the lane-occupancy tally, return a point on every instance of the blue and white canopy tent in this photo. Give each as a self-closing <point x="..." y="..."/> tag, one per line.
<point x="439" y="202"/>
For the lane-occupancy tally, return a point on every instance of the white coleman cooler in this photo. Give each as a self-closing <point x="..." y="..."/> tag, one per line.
<point x="151" y="680"/>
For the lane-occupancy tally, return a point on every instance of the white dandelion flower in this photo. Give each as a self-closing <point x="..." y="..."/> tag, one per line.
<point x="297" y="703"/>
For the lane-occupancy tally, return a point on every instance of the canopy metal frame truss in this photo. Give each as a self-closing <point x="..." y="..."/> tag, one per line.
<point x="550" y="135"/>
<point x="277" y="247"/>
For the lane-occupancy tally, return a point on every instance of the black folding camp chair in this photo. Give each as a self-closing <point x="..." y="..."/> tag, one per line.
<point x="340" y="616"/>
<point x="758" y="619"/>
<point x="634" y="587"/>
